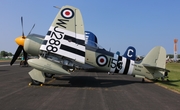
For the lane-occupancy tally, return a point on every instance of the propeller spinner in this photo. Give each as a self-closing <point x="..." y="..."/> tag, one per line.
<point x="20" y="41"/>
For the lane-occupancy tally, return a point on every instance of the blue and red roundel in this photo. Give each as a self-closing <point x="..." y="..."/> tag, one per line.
<point x="67" y="13"/>
<point x="101" y="60"/>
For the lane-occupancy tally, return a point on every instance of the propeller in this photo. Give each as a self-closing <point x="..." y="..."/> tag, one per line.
<point x="22" y="27"/>
<point x="20" y="41"/>
<point x="31" y="29"/>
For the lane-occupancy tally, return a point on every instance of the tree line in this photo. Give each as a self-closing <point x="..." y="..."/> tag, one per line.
<point x="5" y="54"/>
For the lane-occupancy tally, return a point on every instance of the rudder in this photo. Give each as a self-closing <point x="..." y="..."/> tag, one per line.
<point x="156" y="57"/>
<point x="130" y="53"/>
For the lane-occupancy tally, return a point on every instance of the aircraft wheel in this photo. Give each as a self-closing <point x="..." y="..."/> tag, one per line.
<point x="34" y="82"/>
<point x="162" y="78"/>
<point x="48" y="75"/>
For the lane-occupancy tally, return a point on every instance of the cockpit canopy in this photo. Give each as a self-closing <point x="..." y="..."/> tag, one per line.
<point x="91" y="40"/>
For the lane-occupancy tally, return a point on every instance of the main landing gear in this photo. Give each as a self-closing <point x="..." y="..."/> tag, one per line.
<point x="23" y="63"/>
<point x="34" y="82"/>
<point x="143" y="80"/>
<point x="48" y="75"/>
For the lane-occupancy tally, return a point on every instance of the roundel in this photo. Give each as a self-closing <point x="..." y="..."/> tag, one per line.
<point x="67" y="13"/>
<point x="101" y="60"/>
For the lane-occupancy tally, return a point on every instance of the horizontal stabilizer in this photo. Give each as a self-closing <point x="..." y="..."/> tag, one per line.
<point x="155" y="67"/>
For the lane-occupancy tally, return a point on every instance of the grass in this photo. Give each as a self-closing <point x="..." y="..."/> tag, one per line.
<point x="174" y="77"/>
<point x="4" y="60"/>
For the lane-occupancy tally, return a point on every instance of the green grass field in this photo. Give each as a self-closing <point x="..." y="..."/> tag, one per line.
<point x="174" y="77"/>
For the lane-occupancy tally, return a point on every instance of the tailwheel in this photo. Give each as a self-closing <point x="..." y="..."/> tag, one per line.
<point x="48" y="75"/>
<point x="162" y="78"/>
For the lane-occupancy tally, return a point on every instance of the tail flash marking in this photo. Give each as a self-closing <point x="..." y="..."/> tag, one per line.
<point x="123" y="65"/>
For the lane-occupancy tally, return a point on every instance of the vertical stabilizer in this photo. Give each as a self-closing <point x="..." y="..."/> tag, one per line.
<point x="156" y="57"/>
<point x="66" y="35"/>
<point x="130" y="53"/>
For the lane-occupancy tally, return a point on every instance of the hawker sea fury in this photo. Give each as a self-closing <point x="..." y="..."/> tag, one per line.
<point x="65" y="46"/>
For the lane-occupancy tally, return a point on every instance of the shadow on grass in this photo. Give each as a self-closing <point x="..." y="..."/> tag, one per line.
<point x="170" y="83"/>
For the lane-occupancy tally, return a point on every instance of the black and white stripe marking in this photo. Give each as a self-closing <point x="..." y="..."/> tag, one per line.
<point x="65" y="43"/>
<point x="123" y="65"/>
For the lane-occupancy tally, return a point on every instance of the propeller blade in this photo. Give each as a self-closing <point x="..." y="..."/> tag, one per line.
<point x="22" y="27"/>
<point x="31" y="29"/>
<point x="17" y="53"/>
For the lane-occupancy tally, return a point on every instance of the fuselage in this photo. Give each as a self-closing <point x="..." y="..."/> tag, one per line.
<point x="99" y="58"/>
<point x="103" y="60"/>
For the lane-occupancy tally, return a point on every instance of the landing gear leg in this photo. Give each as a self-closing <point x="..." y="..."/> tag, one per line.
<point x="162" y="78"/>
<point x="143" y="80"/>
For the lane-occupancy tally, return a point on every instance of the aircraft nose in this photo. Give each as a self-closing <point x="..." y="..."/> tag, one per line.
<point x="20" y="40"/>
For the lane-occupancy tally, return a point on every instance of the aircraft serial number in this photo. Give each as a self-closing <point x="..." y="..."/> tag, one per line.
<point x="54" y="41"/>
<point x="114" y="63"/>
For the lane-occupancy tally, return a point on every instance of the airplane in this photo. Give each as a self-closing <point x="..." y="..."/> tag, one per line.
<point x="168" y="59"/>
<point x="64" y="47"/>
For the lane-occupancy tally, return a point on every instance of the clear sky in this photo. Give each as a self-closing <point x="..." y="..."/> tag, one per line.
<point x="117" y="23"/>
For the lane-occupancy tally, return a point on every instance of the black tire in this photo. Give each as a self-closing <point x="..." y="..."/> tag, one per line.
<point x="34" y="82"/>
<point x="48" y="75"/>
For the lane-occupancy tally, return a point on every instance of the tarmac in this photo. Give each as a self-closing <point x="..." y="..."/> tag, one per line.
<point x="81" y="91"/>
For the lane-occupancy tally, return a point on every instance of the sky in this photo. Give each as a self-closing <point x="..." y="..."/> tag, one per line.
<point x="117" y="24"/>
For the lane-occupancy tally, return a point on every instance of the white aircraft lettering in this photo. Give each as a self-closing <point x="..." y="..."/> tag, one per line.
<point x="129" y="53"/>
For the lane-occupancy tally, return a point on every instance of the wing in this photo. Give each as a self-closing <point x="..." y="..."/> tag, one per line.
<point x="66" y="35"/>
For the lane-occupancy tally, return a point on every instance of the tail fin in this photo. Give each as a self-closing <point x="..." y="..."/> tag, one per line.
<point x="91" y="39"/>
<point x="66" y="35"/>
<point x="130" y="53"/>
<point x="155" y="58"/>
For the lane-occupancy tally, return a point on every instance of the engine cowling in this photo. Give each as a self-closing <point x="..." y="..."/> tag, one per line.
<point x="32" y="45"/>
